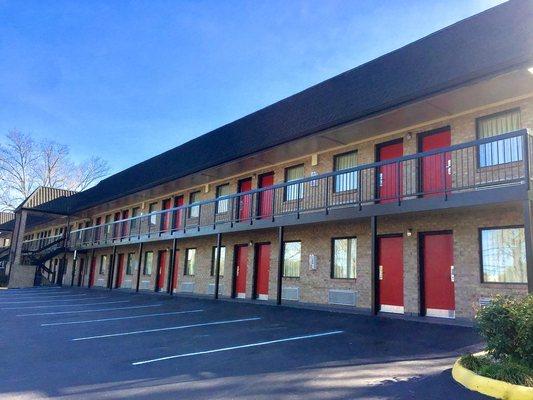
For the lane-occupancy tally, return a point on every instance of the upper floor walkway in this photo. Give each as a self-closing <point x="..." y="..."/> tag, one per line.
<point x="489" y="170"/>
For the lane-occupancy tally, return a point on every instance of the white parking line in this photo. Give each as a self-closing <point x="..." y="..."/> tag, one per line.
<point x="238" y="347"/>
<point x="171" y="328"/>
<point x="67" y="305"/>
<point x="120" y="318"/>
<point x="86" y="311"/>
<point x="47" y="300"/>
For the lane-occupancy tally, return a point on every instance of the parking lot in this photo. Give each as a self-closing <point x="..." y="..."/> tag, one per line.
<point x="74" y="343"/>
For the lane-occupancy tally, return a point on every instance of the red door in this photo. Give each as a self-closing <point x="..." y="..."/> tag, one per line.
<point x="262" y="271"/>
<point x="389" y="180"/>
<point x="178" y="215"/>
<point x="438" y="274"/>
<point x="165" y="217"/>
<point x="116" y="226"/>
<point x="161" y="267"/>
<point x="176" y="272"/>
<point x="92" y="272"/>
<point x="245" y="202"/>
<point x="390" y="273"/>
<point x="120" y="271"/>
<point x="265" y="198"/>
<point x="241" y="263"/>
<point x="436" y="169"/>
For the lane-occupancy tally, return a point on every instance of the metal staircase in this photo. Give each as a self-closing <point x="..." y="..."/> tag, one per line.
<point x="43" y="274"/>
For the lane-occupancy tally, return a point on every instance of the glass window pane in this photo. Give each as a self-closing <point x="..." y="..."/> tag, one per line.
<point x="222" y="205"/>
<point x="292" y="257"/>
<point x="222" y="260"/>
<point x="129" y="263"/>
<point x="503" y="253"/>
<point x="344" y="258"/>
<point x="500" y="151"/>
<point x="292" y="174"/>
<point x="348" y="181"/>
<point x="148" y="262"/>
<point x="194" y="212"/>
<point x="103" y="264"/>
<point x="190" y="261"/>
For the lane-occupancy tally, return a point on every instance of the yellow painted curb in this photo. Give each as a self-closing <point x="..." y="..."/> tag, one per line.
<point x="490" y="387"/>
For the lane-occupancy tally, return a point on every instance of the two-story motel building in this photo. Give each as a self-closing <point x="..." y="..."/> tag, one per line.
<point x="401" y="186"/>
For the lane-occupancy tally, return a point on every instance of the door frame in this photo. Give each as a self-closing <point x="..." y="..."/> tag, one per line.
<point x="157" y="275"/>
<point x="259" y="178"/>
<point x="234" y="269"/>
<point x="376" y="268"/>
<point x="421" y="275"/>
<point x="377" y="158"/>
<point x="255" y="270"/>
<point x="420" y="138"/>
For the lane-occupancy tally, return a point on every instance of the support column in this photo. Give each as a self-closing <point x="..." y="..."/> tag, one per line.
<point x="73" y="271"/>
<point x="112" y="268"/>
<point x="15" y="255"/>
<point x="172" y="266"/>
<point x="281" y="250"/>
<point x="217" y="264"/>
<point x="91" y="271"/>
<point x="139" y="263"/>
<point x="373" y="263"/>
<point x="528" y="233"/>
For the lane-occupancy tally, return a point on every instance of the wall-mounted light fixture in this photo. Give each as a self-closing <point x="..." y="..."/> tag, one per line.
<point x="530" y="69"/>
<point x="409" y="232"/>
<point x="251" y="243"/>
<point x="409" y="136"/>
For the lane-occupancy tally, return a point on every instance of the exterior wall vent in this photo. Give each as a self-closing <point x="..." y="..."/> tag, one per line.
<point x="127" y="284"/>
<point x="100" y="282"/>
<point x="144" y="285"/>
<point x="290" y="293"/>
<point x="484" y="301"/>
<point x="342" y="297"/>
<point x="211" y="288"/>
<point x="187" y="287"/>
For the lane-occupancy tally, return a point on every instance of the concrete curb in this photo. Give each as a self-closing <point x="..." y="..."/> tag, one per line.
<point x="488" y="386"/>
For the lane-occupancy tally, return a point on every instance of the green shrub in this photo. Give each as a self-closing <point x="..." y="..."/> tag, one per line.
<point x="498" y="326"/>
<point x="523" y="315"/>
<point x="508" y="371"/>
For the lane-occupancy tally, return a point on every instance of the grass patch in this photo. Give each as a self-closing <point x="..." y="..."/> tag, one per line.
<point x="506" y="370"/>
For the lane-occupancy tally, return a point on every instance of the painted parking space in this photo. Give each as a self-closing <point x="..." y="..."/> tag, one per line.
<point x="175" y="348"/>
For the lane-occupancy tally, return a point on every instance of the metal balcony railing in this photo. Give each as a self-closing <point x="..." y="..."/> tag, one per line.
<point x="481" y="164"/>
<point x="33" y="245"/>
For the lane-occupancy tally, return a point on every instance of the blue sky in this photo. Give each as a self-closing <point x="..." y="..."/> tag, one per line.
<point x="145" y="76"/>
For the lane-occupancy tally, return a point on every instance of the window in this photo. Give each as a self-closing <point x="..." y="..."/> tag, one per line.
<point x="292" y="258"/>
<point x="194" y="212"/>
<point x="103" y="264"/>
<point x="190" y="261"/>
<point x="214" y="260"/>
<point x="499" y="151"/>
<point x="148" y="262"/>
<point x="134" y="224"/>
<point x="107" y="225"/>
<point x="292" y="192"/>
<point x="222" y="205"/>
<point x="129" y="263"/>
<point x="344" y="260"/>
<point x="503" y="255"/>
<point x="153" y="217"/>
<point x="347" y="181"/>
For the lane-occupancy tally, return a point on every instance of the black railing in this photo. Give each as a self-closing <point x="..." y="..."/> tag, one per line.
<point x="33" y="245"/>
<point x="481" y="164"/>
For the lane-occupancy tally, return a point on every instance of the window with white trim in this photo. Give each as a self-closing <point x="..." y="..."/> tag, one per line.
<point x="347" y="181"/>
<point x="499" y="151"/>
<point x="344" y="258"/>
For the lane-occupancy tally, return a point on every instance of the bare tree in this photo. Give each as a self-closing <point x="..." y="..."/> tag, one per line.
<point x="26" y="164"/>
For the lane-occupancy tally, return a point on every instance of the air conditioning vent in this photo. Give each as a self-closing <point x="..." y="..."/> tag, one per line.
<point x="290" y="293"/>
<point x="145" y="285"/>
<point x="211" y="288"/>
<point x="342" y="297"/>
<point x="187" y="287"/>
<point x="127" y="284"/>
<point x="484" y="301"/>
<point x="100" y="282"/>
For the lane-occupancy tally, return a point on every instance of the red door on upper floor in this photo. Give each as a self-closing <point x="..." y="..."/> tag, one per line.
<point x="390" y="273"/>
<point x="120" y="271"/>
<point x="241" y="264"/>
<point x="245" y="202"/>
<point x="178" y="215"/>
<point x="116" y="226"/>
<point x="389" y="179"/>
<point x="436" y="169"/>
<point x="161" y="269"/>
<point x="265" y="198"/>
<point x="262" y="259"/>
<point x="438" y="274"/>
<point x="125" y="229"/>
